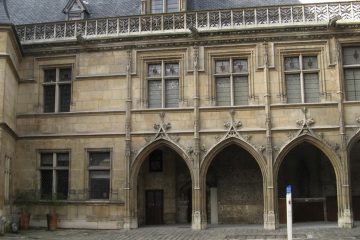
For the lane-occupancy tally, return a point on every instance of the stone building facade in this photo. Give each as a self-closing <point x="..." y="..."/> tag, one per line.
<point x="132" y="113"/>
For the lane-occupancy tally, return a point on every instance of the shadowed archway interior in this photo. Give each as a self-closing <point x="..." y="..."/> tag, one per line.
<point x="313" y="181"/>
<point x="355" y="179"/>
<point x="164" y="189"/>
<point x="234" y="185"/>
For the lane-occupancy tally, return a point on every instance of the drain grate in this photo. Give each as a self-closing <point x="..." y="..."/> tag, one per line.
<point x="263" y="237"/>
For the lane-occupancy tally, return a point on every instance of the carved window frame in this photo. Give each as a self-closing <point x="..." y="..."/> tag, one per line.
<point x="284" y="52"/>
<point x="165" y="7"/>
<point x="147" y="60"/>
<point x="249" y="55"/>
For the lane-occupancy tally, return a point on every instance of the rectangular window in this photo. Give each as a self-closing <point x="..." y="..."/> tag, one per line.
<point x="302" y="79"/>
<point x="164" y="6"/>
<point x="351" y="64"/>
<point x="57" y="89"/>
<point x="231" y="81"/>
<point x="163" y="85"/>
<point x="54" y="174"/>
<point x="99" y="174"/>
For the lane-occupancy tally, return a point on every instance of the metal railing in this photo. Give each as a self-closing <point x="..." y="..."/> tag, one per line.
<point x="181" y="22"/>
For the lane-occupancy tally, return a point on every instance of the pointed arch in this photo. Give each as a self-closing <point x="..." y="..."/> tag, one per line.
<point x="323" y="147"/>
<point x="353" y="140"/>
<point x="144" y="153"/>
<point x="213" y="152"/>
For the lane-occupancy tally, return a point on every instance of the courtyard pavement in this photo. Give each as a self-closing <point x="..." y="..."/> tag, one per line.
<point x="315" y="231"/>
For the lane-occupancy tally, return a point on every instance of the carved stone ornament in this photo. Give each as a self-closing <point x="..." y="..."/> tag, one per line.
<point x="233" y="127"/>
<point x="161" y="129"/>
<point x="305" y="126"/>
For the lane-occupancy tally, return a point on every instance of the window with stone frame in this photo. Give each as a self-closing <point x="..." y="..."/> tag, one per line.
<point x="302" y="78"/>
<point x="163" y="84"/>
<point x="57" y="89"/>
<point x="351" y="66"/>
<point x="54" y="175"/>
<point x="165" y="6"/>
<point x="231" y="81"/>
<point x="99" y="174"/>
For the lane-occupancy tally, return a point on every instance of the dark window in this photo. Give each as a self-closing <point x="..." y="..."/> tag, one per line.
<point x="99" y="174"/>
<point x="54" y="174"/>
<point x="156" y="161"/>
<point x="57" y="90"/>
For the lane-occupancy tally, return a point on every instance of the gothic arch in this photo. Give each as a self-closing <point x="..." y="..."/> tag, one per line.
<point x="141" y="156"/>
<point x="209" y="157"/>
<point x="353" y="140"/>
<point x="323" y="147"/>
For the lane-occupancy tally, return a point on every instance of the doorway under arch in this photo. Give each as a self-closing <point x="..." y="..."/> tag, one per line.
<point x="314" y="190"/>
<point x="164" y="189"/>
<point x="234" y="188"/>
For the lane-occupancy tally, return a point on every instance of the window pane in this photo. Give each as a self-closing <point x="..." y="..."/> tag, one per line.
<point x="46" y="159"/>
<point x="240" y="66"/>
<point x="65" y="97"/>
<point x="49" y="98"/>
<point x="172" y="69"/>
<point x="241" y="91"/>
<point x="172" y="5"/>
<point x="222" y="66"/>
<point x="62" y="159"/>
<point x="293" y="88"/>
<point x="99" y="159"/>
<point x="223" y="95"/>
<point x="62" y="186"/>
<point x="155" y="94"/>
<point x="46" y="184"/>
<point x="99" y="184"/>
<point x="50" y="75"/>
<point x="154" y="70"/>
<point x="311" y="87"/>
<point x="65" y="74"/>
<point x="172" y="93"/>
<point x="352" y="84"/>
<point x="351" y="55"/>
<point x="157" y="6"/>
<point x="292" y="63"/>
<point x="310" y="63"/>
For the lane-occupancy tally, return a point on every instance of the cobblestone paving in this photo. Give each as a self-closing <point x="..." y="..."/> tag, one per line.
<point x="180" y="232"/>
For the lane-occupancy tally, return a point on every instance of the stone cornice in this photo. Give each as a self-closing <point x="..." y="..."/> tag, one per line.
<point x="8" y="129"/>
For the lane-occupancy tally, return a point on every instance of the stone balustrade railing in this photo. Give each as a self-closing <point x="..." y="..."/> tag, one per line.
<point x="181" y="22"/>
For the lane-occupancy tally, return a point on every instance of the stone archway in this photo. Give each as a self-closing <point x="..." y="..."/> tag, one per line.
<point x="161" y="171"/>
<point x="354" y="171"/>
<point x="233" y="182"/>
<point x="315" y="173"/>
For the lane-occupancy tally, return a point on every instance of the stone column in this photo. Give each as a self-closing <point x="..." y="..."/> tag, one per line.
<point x="345" y="218"/>
<point x="197" y="193"/>
<point x="130" y="220"/>
<point x="269" y="209"/>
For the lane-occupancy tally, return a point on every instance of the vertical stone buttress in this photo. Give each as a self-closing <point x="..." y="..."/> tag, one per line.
<point x="130" y="218"/>
<point x="269" y="214"/>
<point x="345" y="218"/>
<point x="197" y="212"/>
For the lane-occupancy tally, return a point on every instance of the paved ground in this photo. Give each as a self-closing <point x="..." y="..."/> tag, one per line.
<point x="313" y="231"/>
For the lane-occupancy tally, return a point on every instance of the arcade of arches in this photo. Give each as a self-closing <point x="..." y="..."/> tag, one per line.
<point x="235" y="187"/>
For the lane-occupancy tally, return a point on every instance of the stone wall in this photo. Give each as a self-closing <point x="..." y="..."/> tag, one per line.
<point x="239" y="182"/>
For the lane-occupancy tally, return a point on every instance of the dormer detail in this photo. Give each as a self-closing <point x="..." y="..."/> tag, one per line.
<point x="76" y="10"/>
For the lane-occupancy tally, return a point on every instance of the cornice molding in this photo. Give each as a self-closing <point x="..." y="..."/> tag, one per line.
<point x="8" y="129"/>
